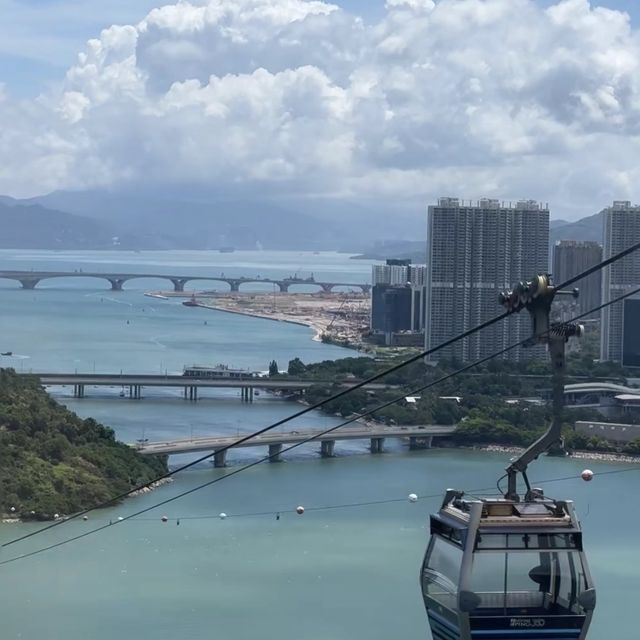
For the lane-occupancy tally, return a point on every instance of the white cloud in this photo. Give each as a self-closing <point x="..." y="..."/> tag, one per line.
<point x="470" y="97"/>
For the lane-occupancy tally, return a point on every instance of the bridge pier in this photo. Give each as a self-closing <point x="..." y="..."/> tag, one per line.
<point x="418" y="442"/>
<point x="235" y="285"/>
<point x="116" y="283"/>
<point x="377" y="445"/>
<point x="365" y="288"/>
<point x="327" y="287"/>
<point x="29" y="283"/>
<point x="135" y="391"/>
<point x="220" y="458"/>
<point x="326" y="448"/>
<point x="274" y="452"/>
<point x="178" y="284"/>
<point x="284" y="287"/>
<point x="78" y="391"/>
<point x="193" y="394"/>
<point x="246" y="394"/>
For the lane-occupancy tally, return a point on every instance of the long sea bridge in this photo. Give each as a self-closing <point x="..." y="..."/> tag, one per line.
<point x="417" y="437"/>
<point x="30" y="279"/>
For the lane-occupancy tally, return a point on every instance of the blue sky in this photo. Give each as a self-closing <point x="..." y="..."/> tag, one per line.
<point x="40" y="39"/>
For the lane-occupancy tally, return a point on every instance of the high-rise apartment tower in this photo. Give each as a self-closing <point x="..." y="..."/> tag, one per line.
<point x="571" y="257"/>
<point x="474" y="251"/>
<point x="397" y="298"/>
<point x="621" y="230"/>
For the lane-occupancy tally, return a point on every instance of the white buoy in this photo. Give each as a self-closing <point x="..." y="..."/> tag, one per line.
<point x="85" y="518"/>
<point x="13" y="509"/>
<point x="222" y="516"/>
<point x="164" y="518"/>
<point x="56" y="516"/>
<point x="120" y="518"/>
<point x="587" y="475"/>
<point x="413" y="497"/>
<point x="299" y="510"/>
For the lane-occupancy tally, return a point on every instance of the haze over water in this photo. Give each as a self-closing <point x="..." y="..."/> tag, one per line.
<point x="331" y="574"/>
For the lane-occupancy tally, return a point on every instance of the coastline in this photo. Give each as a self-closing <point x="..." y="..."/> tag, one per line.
<point x="490" y="448"/>
<point x="275" y="317"/>
<point x="337" y="319"/>
<point x="140" y="492"/>
<point x="578" y="455"/>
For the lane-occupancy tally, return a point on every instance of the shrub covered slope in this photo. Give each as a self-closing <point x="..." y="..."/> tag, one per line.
<point x="52" y="461"/>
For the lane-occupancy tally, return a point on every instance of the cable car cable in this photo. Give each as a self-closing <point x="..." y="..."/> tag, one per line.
<point x="317" y="405"/>
<point x="367" y="503"/>
<point x="293" y="446"/>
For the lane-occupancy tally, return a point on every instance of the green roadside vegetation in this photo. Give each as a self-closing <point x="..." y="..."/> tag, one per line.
<point x="497" y="403"/>
<point x="52" y="461"/>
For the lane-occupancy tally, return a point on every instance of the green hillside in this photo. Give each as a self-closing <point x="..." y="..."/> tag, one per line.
<point x="52" y="461"/>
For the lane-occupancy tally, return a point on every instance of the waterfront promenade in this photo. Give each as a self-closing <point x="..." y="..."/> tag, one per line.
<point x="417" y="437"/>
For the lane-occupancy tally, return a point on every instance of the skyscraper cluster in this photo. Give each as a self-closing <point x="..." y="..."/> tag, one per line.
<point x="476" y="249"/>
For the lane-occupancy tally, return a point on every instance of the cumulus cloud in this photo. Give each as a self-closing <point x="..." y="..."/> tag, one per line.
<point x="471" y="97"/>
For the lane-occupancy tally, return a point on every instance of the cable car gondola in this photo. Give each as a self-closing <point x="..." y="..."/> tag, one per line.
<point x="506" y="568"/>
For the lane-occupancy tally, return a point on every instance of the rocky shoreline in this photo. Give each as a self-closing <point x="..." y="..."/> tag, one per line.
<point x="7" y="519"/>
<point x="150" y="488"/>
<point x="579" y="455"/>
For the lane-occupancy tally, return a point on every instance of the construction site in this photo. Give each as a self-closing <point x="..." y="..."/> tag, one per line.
<point x="338" y="318"/>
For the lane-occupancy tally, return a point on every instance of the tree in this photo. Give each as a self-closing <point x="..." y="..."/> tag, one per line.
<point x="273" y="368"/>
<point x="296" y="367"/>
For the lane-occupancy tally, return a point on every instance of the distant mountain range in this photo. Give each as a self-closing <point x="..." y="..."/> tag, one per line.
<point x="589" y="228"/>
<point x="206" y="221"/>
<point x="36" y="227"/>
<point x="102" y="219"/>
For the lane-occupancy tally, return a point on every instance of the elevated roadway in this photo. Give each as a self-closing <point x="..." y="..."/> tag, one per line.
<point x="30" y="279"/>
<point x="135" y="383"/>
<point x="417" y="436"/>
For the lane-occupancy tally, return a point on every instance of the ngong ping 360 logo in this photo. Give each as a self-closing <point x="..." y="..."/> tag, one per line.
<point x="528" y="623"/>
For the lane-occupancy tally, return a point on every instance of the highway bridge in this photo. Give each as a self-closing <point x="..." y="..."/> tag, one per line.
<point x="135" y="383"/>
<point x="416" y="436"/>
<point x="30" y="279"/>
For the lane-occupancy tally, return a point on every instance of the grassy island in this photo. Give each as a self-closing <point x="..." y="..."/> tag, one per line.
<point x="52" y="461"/>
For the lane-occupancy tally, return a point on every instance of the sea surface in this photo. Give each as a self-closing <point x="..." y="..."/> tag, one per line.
<point x="342" y="570"/>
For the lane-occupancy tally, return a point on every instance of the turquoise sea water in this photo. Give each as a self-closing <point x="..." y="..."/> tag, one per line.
<point x="345" y="573"/>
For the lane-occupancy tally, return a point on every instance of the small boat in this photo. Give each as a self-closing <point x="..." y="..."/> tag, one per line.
<point x="226" y="249"/>
<point x="7" y="353"/>
<point x="192" y="302"/>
